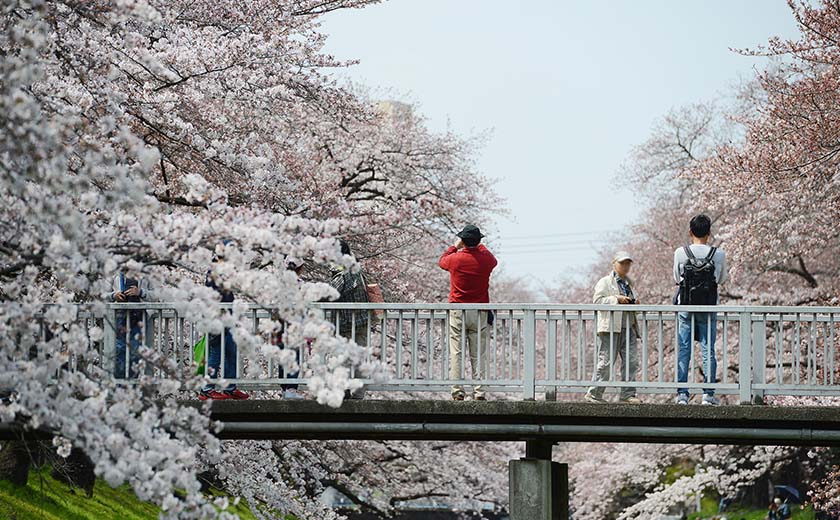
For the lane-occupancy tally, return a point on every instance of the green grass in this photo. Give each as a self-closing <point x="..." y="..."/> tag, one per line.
<point x="675" y="471"/>
<point x="44" y="498"/>
<point x="709" y="507"/>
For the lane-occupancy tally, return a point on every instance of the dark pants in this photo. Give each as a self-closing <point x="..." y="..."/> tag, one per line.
<point x="214" y="358"/>
<point x="133" y="319"/>
<point x="134" y="343"/>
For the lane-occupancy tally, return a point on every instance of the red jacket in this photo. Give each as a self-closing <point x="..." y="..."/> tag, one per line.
<point x="469" y="273"/>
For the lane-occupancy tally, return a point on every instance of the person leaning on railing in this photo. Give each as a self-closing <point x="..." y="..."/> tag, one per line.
<point x="698" y="271"/>
<point x="617" y="332"/>
<point x="469" y="264"/>
<point x="129" y="290"/>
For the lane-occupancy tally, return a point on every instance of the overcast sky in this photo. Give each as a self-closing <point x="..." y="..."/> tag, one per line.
<point x="567" y="89"/>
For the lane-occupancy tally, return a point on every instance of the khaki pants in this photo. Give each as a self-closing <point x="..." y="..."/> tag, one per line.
<point x="473" y="326"/>
<point x="619" y="354"/>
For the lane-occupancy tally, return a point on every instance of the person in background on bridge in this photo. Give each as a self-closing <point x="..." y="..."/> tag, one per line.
<point x="469" y="264"/>
<point x="353" y="325"/>
<point x="130" y="290"/>
<point x="215" y="342"/>
<point x="617" y="331"/>
<point x="290" y="390"/>
<point x="698" y="271"/>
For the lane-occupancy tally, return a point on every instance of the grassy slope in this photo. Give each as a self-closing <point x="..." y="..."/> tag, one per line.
<point x="710" y="507"/>
<point x="44" y="498"/>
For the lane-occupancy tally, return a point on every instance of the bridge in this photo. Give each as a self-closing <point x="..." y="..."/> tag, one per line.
<point x="529" y="356"/>
<point x="533" y="350"/>
<point x="527" y="421"/>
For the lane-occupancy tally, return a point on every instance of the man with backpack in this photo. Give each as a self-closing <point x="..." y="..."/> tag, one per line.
<point x="699" y="269"/>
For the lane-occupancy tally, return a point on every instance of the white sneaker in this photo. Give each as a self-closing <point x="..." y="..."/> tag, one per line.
<point x="630" y="400"/>
<point x="710" y="400"/>
<point x="593" y="399"/>
<point x="682" y="398"/>
<point x="293" y="395"/>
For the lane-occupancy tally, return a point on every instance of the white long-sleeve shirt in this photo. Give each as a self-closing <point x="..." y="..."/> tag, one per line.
<point x="147" y="292"/>
<point x="700" y="251"/>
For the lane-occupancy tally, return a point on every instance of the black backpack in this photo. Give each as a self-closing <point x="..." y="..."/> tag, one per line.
<point x="699" y="285"/>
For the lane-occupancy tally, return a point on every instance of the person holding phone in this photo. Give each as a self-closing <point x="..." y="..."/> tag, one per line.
<point x="130" y="324"/>
<point x="617" y="331"/>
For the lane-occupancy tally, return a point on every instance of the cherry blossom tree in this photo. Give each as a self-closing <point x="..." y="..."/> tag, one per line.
<point x="764" y="167"/>
<point x="148" y="137"/>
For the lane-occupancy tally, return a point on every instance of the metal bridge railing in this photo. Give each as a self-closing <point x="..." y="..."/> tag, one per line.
<point x="528" y="349"/>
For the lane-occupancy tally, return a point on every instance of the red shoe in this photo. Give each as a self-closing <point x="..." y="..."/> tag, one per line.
<point x="214" y="395"/>
<point x="236" y="394"/>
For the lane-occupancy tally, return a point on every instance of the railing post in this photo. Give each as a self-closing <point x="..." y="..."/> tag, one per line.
<point x="109" y="339"/>
<point x="551" y="356"/>
<point x="529" y="338"/>
<point x="744" y="359"/>
<point x="759" y="338"/>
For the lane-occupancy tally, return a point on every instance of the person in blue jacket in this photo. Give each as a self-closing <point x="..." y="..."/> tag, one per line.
<point x="215" y="342"/>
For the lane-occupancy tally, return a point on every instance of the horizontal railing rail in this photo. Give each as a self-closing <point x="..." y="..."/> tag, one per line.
<point x="527" y="349"/>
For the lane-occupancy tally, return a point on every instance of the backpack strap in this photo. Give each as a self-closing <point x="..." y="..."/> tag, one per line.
<point x="709" y="259"/>
<point x="689" y="254"/>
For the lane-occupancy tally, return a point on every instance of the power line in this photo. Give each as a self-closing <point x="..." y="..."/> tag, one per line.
<point x="546" y="251"/>
<point x="533" y="245"/>
<point x="550" y="235"/>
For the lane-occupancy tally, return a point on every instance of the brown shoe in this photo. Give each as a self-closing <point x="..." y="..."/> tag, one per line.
<point x="458" y="397"/>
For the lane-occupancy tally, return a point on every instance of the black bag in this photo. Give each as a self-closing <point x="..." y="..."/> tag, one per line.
<point x="699" y="284"/>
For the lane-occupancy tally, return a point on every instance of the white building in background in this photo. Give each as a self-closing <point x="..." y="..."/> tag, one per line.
<point x="395" y="110"/>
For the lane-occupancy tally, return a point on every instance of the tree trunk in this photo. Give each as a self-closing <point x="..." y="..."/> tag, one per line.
<point x="76" y="470"/>
<point x="14" y="462"/>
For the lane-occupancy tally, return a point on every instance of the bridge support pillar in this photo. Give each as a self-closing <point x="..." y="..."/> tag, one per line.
<point x="539" y="487"/>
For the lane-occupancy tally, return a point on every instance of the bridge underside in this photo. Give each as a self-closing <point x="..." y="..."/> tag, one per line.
<point x="528" y="421"/>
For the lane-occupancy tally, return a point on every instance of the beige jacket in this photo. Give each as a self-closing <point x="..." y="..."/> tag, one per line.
<point x="607" y="292"/>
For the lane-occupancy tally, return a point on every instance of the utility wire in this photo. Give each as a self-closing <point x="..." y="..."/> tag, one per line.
<point x="548" y="251"/>
<point x="549" y="235"/>
<point x="534" y="245"/>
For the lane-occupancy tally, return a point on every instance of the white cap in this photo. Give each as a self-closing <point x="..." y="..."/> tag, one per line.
<point x="622" y="256"/>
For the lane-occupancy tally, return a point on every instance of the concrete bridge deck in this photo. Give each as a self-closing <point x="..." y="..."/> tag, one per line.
<point x="528" y="421"/>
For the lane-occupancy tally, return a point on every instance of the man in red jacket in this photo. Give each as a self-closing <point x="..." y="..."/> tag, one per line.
<point x="469" y="264"/>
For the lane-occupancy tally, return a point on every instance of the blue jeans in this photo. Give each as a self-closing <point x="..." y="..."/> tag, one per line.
<point x="134" y="336"/>
<point x="704" y="323"/>
<point x="214" y="358"/>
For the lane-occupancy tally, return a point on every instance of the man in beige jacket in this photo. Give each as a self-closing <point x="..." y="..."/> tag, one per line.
<point x="617" y="331"/>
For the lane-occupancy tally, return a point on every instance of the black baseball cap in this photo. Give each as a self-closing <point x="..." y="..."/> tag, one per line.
<point x="470" y="231"/>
